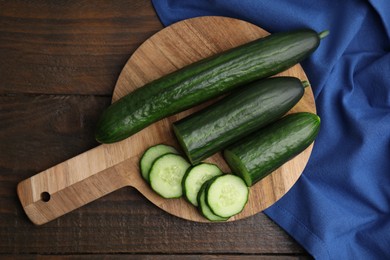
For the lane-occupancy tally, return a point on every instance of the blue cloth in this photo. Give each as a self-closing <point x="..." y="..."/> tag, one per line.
<point x="340" y="207"/>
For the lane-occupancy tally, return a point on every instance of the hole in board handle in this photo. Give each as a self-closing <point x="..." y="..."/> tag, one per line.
<point x="45" y="196"/>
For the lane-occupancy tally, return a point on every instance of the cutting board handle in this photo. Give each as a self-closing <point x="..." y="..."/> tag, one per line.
<point x="70" y="185"/>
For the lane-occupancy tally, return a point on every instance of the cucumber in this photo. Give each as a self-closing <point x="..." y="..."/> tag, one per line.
<point x="204" y="208"/>
<point x="214" y="128"/>
<point x="226" y="195"/>
<point x="166" y="175"/>
<point x="262" y="152"/>
<point x="202" y="81"/>
<point x="151" y="154"/>
<point x="195" y="177"/>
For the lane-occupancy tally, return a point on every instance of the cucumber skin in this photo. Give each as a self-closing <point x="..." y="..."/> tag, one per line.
<point x="262" y="152"/>
<point x="204" y="80"/>
<point x="214" y="128"/>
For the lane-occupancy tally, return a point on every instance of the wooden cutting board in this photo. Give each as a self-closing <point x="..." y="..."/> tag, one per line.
<point x="109" y="167"/>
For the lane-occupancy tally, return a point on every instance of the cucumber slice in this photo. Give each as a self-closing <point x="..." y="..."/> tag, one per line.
<point x="166" y="175"/>
<point x="227" y="195"/>
<point x="204" y="208"/>
<point x="150" y="155"/>
<point x="195" y="177"/>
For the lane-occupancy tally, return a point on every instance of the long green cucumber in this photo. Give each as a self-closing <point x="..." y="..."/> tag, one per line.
<point x="262" y="152"/>
<point x="204" y="80"/>
<point x="214" y="128"/>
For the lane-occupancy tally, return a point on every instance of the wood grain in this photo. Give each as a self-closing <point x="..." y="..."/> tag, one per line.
<point x="42" y="51"/>
<point x="77" y="47"/>
<point x="121" y="222"/>
<point x="160" y="257"/>
<point x="31" y="121"/>
<point x="107" y="168"/>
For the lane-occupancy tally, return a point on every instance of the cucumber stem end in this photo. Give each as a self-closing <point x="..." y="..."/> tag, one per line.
<point x="323" y="34"/>
<point x="305" y="83"/>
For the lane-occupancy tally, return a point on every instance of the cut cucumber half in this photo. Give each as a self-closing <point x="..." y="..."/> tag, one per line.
<point x="195" y="177"/>
<point x="150" y="155"/>
<point x="262" y="152"/>
<point x="204" y="208"/>
<point x="166" y="175"/>
<point x="227" y="195"/>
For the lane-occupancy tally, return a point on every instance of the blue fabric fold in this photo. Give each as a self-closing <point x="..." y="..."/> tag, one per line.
<point x="340" y="206"/>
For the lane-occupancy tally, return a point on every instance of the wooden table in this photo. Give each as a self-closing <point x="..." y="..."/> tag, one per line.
<point x="59" y="61"/>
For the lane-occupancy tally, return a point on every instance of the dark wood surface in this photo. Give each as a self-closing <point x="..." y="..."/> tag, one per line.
<point x="59" y="61"/>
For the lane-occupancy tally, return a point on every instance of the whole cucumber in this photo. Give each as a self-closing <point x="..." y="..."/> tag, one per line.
<point x="204" y="80"/>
